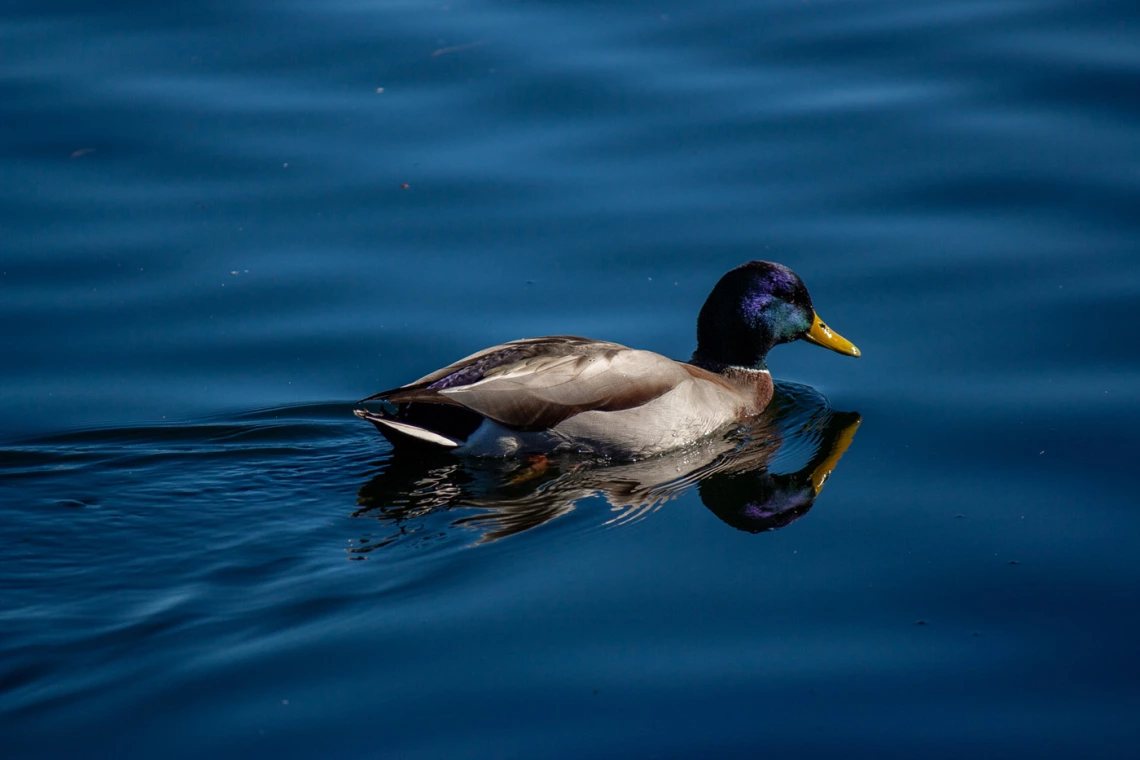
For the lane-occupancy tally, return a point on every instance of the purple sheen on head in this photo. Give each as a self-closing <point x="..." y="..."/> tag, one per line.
<point x="782" y="278"/>
<point x="752" y="308"/>
<point x="755" y="303"/>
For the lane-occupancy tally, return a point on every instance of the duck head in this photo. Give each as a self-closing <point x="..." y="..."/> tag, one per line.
<point x="754" y="307"/>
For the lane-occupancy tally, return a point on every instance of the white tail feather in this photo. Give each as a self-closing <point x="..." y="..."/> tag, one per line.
<point x="409" y="430"/>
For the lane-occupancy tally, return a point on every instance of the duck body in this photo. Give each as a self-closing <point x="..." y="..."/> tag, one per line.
<point x="565" y="393"/>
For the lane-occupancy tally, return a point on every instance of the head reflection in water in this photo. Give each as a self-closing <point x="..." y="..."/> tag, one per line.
<point x="758" y="478"/>
<point x="757" y="500"/>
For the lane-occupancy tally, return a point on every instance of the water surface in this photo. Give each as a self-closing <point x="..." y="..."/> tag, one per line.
<point x="221" y="225"/>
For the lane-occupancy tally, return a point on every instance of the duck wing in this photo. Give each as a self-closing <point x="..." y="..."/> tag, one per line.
<point x="534" y="384"/>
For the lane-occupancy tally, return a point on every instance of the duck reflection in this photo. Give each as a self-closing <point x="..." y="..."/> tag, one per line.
<point x="757" y="478"/>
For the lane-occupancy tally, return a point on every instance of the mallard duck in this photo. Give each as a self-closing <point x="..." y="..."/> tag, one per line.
<point x="566" y="393"/>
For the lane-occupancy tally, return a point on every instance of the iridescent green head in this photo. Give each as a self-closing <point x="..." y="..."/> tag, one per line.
<point x="753" y="308"/>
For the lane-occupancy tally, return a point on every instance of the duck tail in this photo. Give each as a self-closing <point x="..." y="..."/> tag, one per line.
<point x="395" y="429"/>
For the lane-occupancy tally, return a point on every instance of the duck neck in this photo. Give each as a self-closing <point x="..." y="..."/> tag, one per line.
<point x="703" y="361"/>
<point x="752" y="382"/>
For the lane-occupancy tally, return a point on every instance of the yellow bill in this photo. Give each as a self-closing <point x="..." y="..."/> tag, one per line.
<point x="822" y="335"/>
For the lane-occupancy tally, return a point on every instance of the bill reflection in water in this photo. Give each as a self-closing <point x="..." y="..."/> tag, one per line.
<point x="760" y="477"/>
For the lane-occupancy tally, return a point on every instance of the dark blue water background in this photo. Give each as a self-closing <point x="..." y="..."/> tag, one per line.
<point x="218" y="232"/>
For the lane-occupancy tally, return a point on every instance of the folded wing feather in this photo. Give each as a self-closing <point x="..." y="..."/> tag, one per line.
<point x="535" y="384"/>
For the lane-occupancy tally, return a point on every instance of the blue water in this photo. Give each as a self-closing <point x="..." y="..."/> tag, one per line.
<point x="223" y="223"/>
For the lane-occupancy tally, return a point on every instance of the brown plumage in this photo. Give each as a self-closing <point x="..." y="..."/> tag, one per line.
<point x="536" y="383"/>
<point x="566" y="392"/>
